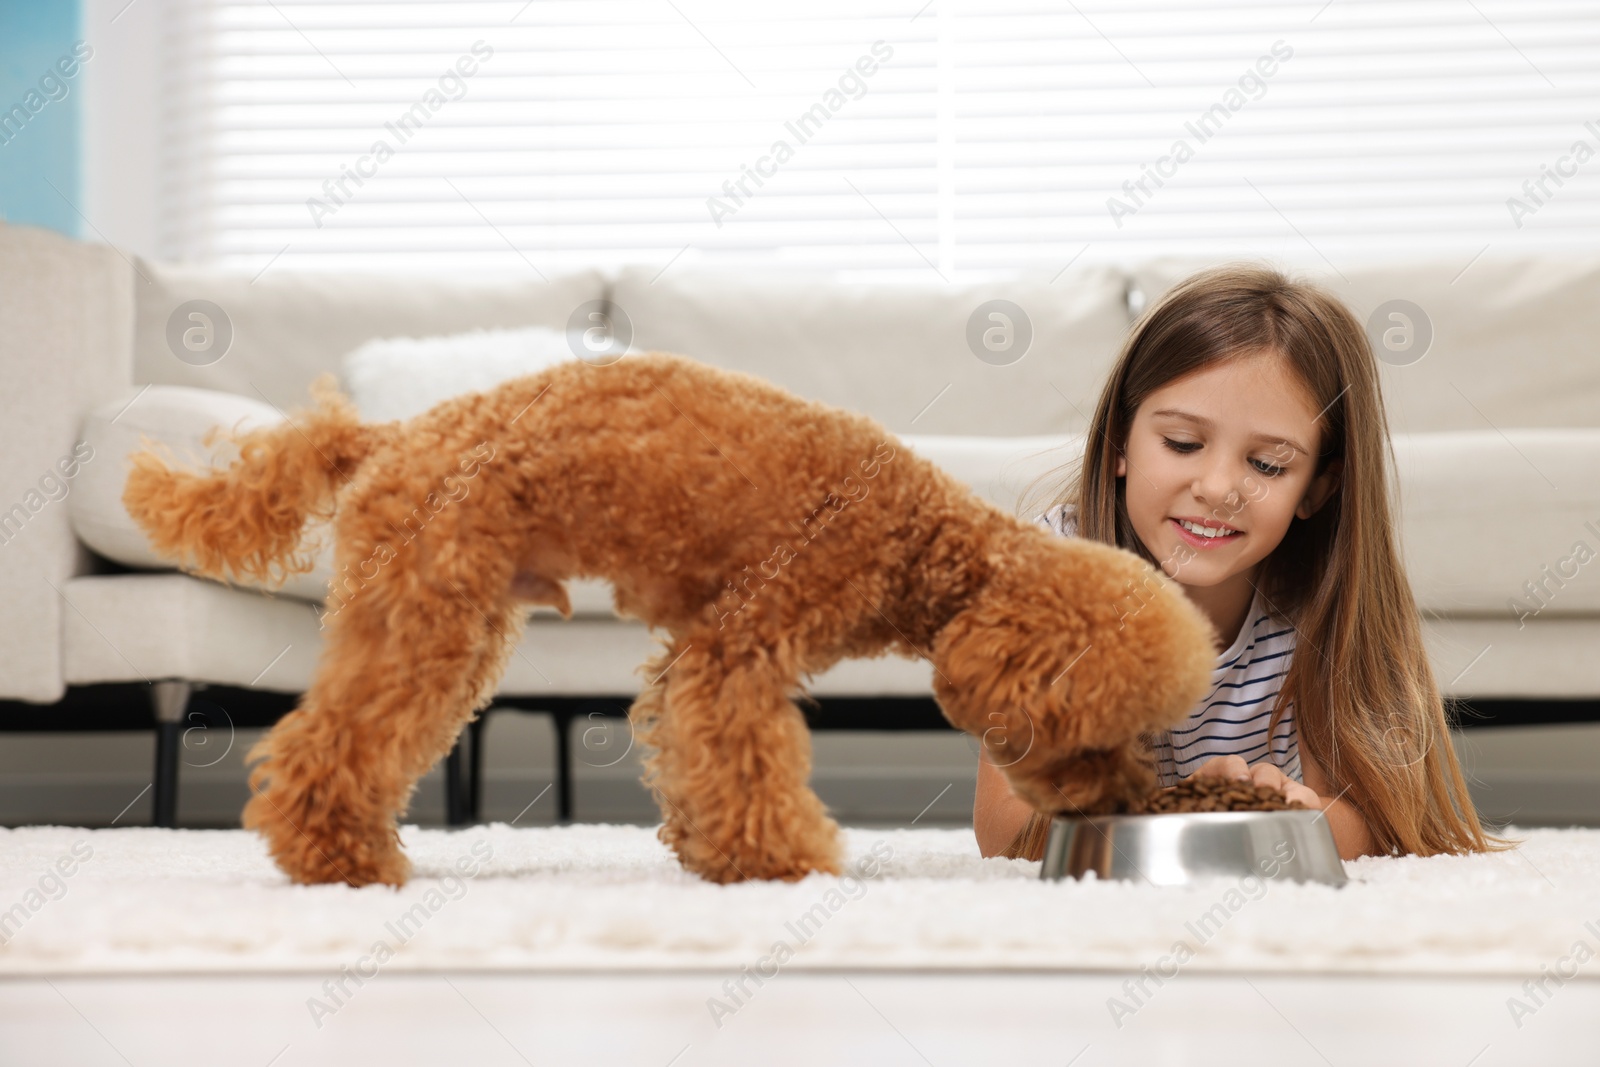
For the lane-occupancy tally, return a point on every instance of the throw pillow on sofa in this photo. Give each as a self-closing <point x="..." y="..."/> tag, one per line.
<point x="178" y="417"/>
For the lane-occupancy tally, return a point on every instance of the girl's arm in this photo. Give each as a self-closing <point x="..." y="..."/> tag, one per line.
<point x="997" y="813"/>
<point x="1349" y="826"/>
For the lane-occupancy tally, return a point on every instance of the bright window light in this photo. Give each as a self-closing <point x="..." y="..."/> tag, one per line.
<point x="891" y="141"/>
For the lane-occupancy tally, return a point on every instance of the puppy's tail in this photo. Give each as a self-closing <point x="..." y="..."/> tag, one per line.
<point x="247" y="519"/>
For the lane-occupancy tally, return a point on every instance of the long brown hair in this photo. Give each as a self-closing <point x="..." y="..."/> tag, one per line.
<point x="1367" y="707"/>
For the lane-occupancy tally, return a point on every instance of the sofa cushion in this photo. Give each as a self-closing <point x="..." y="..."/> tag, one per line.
<point x="135" y="627"/>
<point x="1502" y="524"/>
<point x="905" y="354"/>
<point x="132" y="627"/>
<point x="283" y="328"/>
<point x="1514" y="339"/>
<point x="177" y="417"/>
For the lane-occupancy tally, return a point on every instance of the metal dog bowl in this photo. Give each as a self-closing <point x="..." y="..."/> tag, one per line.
<point x="1177" y="849"/>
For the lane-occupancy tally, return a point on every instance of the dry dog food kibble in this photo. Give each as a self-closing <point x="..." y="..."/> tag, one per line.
<point x="1215" y="794"/>
<point x="1189" y="795"/>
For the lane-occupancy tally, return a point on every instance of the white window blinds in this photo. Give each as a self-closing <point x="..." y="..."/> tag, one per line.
<point x="883" y="140"/>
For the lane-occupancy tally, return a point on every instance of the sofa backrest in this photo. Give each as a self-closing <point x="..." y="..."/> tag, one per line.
<point x="1016" y="357"/>
<point x="921" y="359"/>
<point x="282" y="328"/>
<point x="1516" y="340"/>
<point x="1512" y="338"/>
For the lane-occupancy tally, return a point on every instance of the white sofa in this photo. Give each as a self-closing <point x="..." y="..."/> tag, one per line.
<point x="1496" y="438"/>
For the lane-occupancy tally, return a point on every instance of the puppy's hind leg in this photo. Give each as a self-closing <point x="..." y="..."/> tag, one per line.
<point x="731" y="760"/>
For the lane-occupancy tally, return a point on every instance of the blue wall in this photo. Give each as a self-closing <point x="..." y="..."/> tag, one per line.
<point x="43" y="148"/>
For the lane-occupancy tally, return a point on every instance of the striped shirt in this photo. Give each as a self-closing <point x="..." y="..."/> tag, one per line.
<point x="1233" y="718"/>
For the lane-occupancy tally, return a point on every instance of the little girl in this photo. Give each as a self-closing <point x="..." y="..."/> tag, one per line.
<point x="1240" y="447"/>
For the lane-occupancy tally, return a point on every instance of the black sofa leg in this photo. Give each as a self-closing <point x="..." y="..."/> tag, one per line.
<point x="170" y="698"/>
<point x="457" y="788"/>
<point x="563" y="723"/>
<point x="475" y="763"/>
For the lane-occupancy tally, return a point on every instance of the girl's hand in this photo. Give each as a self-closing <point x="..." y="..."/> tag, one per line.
<point x="1263" y="773"/>
<point x="1350" y="830"/>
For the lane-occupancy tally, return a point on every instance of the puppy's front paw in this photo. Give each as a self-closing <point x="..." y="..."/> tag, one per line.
<point x="323" y="843"/>
<point x="1089" y="782"/>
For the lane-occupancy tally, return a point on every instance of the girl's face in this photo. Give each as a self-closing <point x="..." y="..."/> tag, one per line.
<point x="1233" y="448"/>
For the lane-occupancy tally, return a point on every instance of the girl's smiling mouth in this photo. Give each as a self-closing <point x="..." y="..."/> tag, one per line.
<point x="1222" y="533"/>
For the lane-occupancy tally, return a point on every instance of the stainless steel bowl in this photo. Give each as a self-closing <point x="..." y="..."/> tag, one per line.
<point x="1178" y="849"/>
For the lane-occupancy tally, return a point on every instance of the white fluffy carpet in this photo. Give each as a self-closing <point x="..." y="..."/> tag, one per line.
<point x="611" y="897"/>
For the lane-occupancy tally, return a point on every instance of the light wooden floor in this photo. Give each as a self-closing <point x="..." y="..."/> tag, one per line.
<point x="835" y="1018"/>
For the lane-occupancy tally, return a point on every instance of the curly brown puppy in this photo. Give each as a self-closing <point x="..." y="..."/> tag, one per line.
<point x="767" y="535"/>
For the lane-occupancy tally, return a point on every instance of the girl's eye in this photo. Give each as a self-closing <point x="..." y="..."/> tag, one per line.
<point x="1185" y="447"/>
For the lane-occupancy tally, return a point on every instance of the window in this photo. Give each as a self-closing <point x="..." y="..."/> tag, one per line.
<point x="882" y="140"/>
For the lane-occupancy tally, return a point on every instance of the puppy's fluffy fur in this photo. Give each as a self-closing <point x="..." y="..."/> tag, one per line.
<point x="768" y="536"/>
